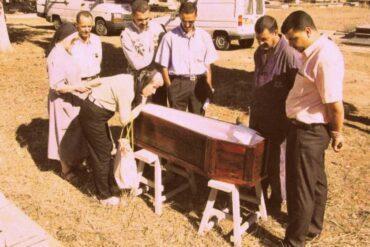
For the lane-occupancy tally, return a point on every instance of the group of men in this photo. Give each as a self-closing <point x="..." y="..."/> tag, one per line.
<point x="184" y="56"/>
<point x="296" y="104"/>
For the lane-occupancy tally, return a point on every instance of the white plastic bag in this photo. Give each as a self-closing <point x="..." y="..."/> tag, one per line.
<point x="125" y="169"/>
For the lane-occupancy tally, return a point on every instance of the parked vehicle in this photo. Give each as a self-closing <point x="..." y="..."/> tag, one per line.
<point x="225" y="20"/>
<point x="109" y="15"/>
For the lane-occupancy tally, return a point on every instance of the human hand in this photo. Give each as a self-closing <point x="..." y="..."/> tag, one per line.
<point x="81" y="89"/>
<point x="337" y="140"/>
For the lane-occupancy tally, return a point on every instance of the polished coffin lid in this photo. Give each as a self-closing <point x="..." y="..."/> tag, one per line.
<point x="213" y="148"/>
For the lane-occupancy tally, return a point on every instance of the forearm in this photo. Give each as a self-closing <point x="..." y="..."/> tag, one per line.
<point x="209" y="76"/>
<point x="63" y="88"/>
<point x="166" y="77"/>
<point x="126" y="117"/>
<point x="336" y="116"/>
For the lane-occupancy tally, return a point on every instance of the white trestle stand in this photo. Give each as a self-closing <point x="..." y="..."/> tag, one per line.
<point x="239" y="226"/>
<point x="146" y="157"/>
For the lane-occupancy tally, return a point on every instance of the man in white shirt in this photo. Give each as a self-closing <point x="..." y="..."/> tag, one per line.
<point x="139" y="43"/>
<point x="186" y="54"/>
<point x="87" y="50"/>
<point x="315" y="108"/>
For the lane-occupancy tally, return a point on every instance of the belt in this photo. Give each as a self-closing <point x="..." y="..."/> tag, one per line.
<point x="303" y="125"/>
<point x="90" y="78"/>
<point x="189" y="77"/>
<point x="93" y="100"/>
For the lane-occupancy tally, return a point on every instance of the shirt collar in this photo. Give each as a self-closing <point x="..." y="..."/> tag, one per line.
<point x="280" y="44"/>
<point x="83" y="42"/>
<point x="136" y="28"/>
<point x="185" y="35"/>
<point x="315" y="45"/>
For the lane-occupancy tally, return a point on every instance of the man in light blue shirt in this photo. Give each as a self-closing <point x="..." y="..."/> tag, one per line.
<point x="186" y="54"/>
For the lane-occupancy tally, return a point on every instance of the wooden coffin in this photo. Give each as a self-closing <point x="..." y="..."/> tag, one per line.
<point x="204" y="145"/>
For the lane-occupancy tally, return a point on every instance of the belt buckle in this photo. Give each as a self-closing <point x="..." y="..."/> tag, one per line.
<point x="193" y="78"/>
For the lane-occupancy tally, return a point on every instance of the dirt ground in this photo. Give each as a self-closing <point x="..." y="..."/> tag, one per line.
<point x="72" y="215"/>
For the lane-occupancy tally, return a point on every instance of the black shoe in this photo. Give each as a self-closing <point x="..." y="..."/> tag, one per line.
<point x="312" y="236"/>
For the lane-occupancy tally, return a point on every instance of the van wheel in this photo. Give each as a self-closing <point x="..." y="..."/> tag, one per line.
<point x="57" y="22"/>
<point x="246" y="43"/>
<point x="101" y="28"/>
<point x="222" y="41"/>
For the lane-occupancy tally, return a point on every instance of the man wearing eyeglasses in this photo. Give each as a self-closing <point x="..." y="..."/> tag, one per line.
<point x="139" y="43"/>
<point x="186" y="54"/>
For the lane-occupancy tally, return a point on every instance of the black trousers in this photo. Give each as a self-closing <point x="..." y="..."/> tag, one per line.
<point x="274" y="157"/>
<point x="184" y="93"/>
<point x="306" y="181"/>
<point x="95" y="128"/>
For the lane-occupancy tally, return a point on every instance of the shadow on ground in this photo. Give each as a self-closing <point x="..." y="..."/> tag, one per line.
<point x="38" y="35"/>
<point x="353" y="119"/>
<point x="232" y="87"/>
<point x="34" y="137"/>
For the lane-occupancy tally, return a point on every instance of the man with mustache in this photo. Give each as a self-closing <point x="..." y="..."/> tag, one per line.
<point x="276" y="65"/>
<point x="139" y="43"/>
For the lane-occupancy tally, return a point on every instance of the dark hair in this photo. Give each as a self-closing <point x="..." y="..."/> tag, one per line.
<point x="83" y="13"/>
<point x="266" y="22"/>
<point x="142" y="79"/>
<point x="147" y="76"/>
<point x="297" y="21"/>
<point x="63" y="32"/>
<point x="188" y="8"/>
<point x="141" y="6"/>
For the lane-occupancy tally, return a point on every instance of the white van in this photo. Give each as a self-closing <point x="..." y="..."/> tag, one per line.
<point x="109" y="15"/>
<point x="225" y="20"/>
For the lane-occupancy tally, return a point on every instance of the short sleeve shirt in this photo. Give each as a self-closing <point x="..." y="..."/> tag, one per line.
<point x="184" y="55"/>
<point x="318" y="82"/>
<point x="88" y="55"/>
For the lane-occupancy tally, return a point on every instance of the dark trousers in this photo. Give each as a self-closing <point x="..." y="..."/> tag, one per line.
<point x="275" y="165"/>
<point x="182" y="95"/>
<point x="274" y="157"/>
<point x="95" y="128"/>
<point x="306" y="181"/>
<point x="160" y="96"/>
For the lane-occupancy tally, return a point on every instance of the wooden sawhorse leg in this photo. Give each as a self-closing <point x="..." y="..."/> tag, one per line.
<point x="146" y="157"/>
<point x="239" y="228"/>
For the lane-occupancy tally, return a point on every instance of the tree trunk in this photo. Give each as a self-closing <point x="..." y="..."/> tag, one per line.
<point x="4" y="36"/>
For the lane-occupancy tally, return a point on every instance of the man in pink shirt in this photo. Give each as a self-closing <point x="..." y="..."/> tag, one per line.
<point x="315" y="109"/>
